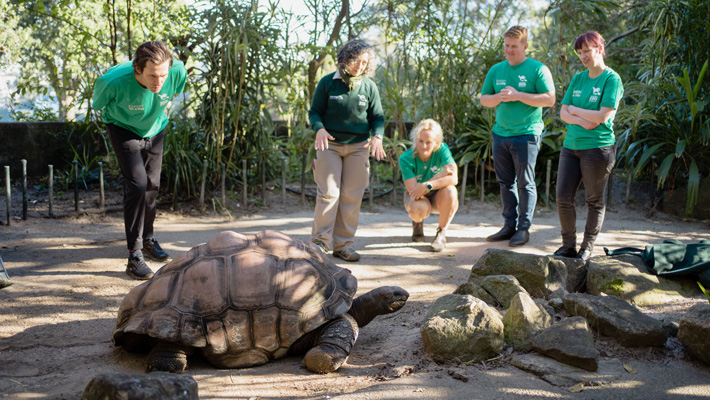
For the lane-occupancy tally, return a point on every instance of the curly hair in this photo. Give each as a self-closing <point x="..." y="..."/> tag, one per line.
<point x="351" y="51"/>
<point x="426" y="125"/>
<point x="155" y="51"/>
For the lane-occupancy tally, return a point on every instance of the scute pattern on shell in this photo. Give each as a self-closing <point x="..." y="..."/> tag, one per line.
<point x="248" y="296"/>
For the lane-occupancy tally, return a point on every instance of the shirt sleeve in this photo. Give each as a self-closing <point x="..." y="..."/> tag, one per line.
<point x="180" y="76"/>
<point x="318" y="106"/>
<point x="375" y="115"/>
<point x="544" y="83"/>
<point x="567" y="99"/>
<point x="612" y="92"/>
<point x="102" y="95"/>
<point x="406" y="165"/>
<point x="446" y="156"/>
<point x="488" y="87"/>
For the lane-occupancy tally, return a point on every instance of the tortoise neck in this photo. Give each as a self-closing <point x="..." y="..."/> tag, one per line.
<point x="364" y="309"/>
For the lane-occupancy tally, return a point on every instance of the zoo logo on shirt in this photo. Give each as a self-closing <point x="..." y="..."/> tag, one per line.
<point x="163" y="99"/>
<point x="523" y="81"/>
<point x="135" y="107"/>
<point x="363" y="100"/>
<point x="500" y="82"/>
<point x="596" y="92"/>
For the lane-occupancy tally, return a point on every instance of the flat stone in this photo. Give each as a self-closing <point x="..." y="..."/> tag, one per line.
<point x="612" y="316"/>
<point x="560" y="374"/>
<point x="475" y="290"/>
<point x="463" y="327"/>
<point x="502" y="287"/>
<point x="626" y="276"/>
<point x="153" y="386"/>
<point x="523" y="320"/>
<point x="694" y="331"/>
<point x="569" y="341"/>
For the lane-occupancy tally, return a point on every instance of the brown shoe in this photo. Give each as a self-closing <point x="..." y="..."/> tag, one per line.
<point x="348" y="255"/>
<point x="439" y="241"/>
<point x="417" y="231"/>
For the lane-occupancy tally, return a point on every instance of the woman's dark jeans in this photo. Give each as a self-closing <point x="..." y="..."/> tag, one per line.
<point x="592" y="167"/>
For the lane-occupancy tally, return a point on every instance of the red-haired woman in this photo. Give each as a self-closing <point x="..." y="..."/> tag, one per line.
<point x="589" y="151"/>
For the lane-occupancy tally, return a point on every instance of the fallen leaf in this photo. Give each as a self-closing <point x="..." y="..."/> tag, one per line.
<point x="630" y="369"/>
<point x="577" y="388"/>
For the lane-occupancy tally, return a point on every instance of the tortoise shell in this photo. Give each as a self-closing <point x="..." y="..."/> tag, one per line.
<point x="241" y="299"/>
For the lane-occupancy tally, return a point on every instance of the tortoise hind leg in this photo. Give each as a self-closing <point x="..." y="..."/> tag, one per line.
<point x="168" y="357"/>
<point x="332" y="345"/>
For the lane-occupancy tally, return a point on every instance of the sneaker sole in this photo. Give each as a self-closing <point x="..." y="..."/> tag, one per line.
<point x="138" y="277"/>
<point x="150" y="257"/>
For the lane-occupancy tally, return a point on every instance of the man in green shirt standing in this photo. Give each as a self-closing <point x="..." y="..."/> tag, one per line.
<point x="518" y="88"/>
<point x="132" y="97"/>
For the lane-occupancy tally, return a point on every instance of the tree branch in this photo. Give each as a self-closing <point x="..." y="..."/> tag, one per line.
<point x="622" y="35"/>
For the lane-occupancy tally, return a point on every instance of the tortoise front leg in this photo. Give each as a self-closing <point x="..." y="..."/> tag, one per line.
<point x="168" y="357"/>
<point x="332" y="345"/>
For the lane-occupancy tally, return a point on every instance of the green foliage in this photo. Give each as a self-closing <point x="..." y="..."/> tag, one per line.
<point x="702" y="288"/>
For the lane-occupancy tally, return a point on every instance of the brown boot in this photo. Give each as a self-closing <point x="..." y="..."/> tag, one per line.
<point x="417" y="231"/>
<point x="439" y="241"/>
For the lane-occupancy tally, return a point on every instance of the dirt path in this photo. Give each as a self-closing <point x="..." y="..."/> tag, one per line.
<point x="57" y="318"/>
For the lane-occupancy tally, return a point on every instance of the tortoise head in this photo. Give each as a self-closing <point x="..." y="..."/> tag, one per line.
<point x="380" y="301"/>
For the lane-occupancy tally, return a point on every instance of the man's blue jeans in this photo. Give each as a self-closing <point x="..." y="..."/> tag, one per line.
<point x="514" y="161"/>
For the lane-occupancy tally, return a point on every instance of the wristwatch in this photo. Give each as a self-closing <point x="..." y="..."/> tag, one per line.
<point x="429" y="187"/>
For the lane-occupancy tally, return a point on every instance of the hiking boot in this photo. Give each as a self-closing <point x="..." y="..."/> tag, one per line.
<point x="137" y="268"/>
<point x="417" y="231"/>
<point x="569" y="252"/>
<point x="584" y="254"/>
<point x="321" y="246"/>
<point x="504" y="234"/>
<point x="519" y="238"/>
<point x="154" y="251"/>
<point x="439" y="241"/>
<point x="348" y="255"/>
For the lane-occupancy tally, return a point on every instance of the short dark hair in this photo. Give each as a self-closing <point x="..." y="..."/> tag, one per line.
<point x="155" y="51"/>
<point x="590" y="39"/>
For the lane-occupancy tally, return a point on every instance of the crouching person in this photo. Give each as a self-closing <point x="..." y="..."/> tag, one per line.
<point x="430" y="175"/>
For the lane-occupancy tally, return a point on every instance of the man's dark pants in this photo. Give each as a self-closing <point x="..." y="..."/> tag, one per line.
<point x="514" y="160"/>
<point x="140" y="161"/>
<point x="592" y="167"/>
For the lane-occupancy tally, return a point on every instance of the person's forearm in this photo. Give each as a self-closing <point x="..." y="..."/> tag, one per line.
<point x="596" y="116"/>
<point x="538" y="99"/>
<point x="490" y="100"/>
<point x="444" y="181"/>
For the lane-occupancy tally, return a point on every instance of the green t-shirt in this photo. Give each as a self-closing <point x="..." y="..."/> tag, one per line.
<point x="347" y="115"/>
<point x="127" y="104"/>
<point x="515" y="118"/>
<point x="413" y="167"/>
<point x="605" y="90"/>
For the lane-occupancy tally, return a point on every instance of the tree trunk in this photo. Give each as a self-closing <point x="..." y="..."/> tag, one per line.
<point x="317" y="62"/>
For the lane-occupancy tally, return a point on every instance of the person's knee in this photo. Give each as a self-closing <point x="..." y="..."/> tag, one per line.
<point x="447" y="195"/>
<point x="419" y="210"/>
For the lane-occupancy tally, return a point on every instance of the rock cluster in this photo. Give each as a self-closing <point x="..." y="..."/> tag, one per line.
<point x="554" y="307"/>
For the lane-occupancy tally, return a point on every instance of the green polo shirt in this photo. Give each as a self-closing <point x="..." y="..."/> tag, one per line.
<point x="605" y="90"/>
<point x="127" y="104"/>
<point x="515" y="118"/>
<point x="413" y="167"/>
<point x="348" y="116"/>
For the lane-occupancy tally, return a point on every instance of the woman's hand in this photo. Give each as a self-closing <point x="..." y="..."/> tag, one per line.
<point x="376" y="148"/>
<point x="322" y="138"/>
<point x="419" y="191"/>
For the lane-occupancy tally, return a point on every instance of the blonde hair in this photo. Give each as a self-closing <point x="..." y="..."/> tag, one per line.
<point x="517" y="32"/>
<point x="426" y="125"/>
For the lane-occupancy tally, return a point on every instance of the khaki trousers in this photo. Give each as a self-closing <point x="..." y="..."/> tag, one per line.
<point x="341" y="174"/>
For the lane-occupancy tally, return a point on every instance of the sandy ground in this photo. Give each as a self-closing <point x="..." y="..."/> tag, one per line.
<point x="56" y="320"/>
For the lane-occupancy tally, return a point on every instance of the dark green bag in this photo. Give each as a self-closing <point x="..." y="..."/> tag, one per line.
<point x="673" y="257"/>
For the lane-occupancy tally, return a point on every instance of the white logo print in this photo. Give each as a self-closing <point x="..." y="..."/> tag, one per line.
<point x="362" y="98"/>
<point x="597" y="91"/>
<point x="523" y="81"/>
<point x="163" y="96"/>
<point x="135" y="107"/>
<point x="500" y="82"/>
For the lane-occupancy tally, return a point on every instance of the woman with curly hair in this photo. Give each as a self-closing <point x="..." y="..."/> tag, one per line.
<point x="347" y="116"/>
<point x="430" y="175"/>
<point x="589" y="150"/>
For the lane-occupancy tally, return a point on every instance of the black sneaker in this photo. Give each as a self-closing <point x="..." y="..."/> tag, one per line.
<point x="505" y="233"/>
<point x="137" y="268"/>
<point x="569" y="252"/>
<point x="154" y="251"/>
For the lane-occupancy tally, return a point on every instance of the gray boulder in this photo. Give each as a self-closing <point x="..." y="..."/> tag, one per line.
<point x="502" y="287"/>
<point x="475" y="290"/>
<point x="569" y="341"/>
<point x="559" y="374"/>
<point x="523" y="320"/>
<point x="539" y="275"/>
<point x="626" y="277"/>
<point x="694" y="331"/>
<point x="153" y="386"/>
<point x="616" y="318"/>
<point x="462" y="326"/>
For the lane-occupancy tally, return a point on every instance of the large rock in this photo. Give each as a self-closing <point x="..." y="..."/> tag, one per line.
<point x="559" y="374"/>
<point x="502" y="287"/>
<point x="475" y="290"/>
<point x="694" y="331"/>
<point x="462" y="326"/>
<point x="523" y="320"/>
<point x="626" y="277"/>
<point x="569" y="341"/>
<point x="153" y="386"/>
<point x="616" y="318"/>
<point x="539" y="275"/>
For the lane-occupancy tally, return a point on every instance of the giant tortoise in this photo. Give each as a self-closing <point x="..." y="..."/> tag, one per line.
<point x="242" y="300"/>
